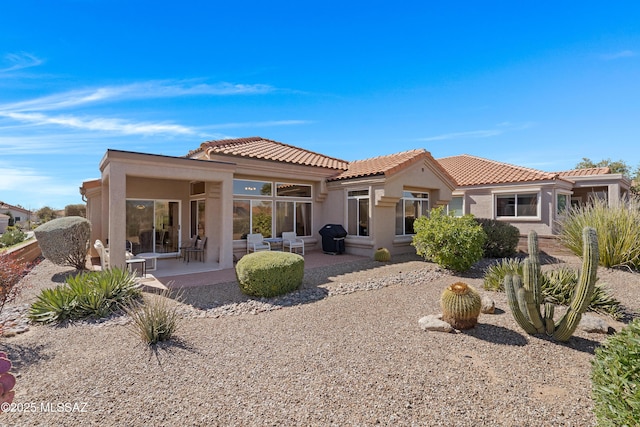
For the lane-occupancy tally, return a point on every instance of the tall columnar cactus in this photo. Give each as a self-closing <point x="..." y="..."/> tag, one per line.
<point x="524" y="294"/>
<point x="7" y="380"/>
<point x="461" y="305"/>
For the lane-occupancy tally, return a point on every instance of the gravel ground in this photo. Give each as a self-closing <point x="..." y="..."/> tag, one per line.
<point x="344" y="350"/>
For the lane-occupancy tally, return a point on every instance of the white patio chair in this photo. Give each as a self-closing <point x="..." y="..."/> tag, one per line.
<point x="103" y="253"/>
<point x="256" y="243"/>
<point x="293" y="242"/>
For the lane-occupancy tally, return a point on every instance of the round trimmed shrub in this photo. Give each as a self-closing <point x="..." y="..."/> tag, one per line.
<point x="502" y="238"/>
<point x="615" y="377"/>
<point x="269" y="273"/>
<point x="451" y="242"/>
<point x="65" y="241"/>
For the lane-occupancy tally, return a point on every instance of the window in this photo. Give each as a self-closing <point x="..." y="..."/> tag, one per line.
<point x="251" y="188"/>
<point x="293" y="216"/>
<point x="251" y="216"/>
<point x="411" y="207"/>
<point x="293" y="190"/>
<point x="197" y="218"/>
<point x="455" y="206"/>
<point x="358" y="213"/>
<point x="517" y="205"/>
<point x="562" y="202"/>
<point x="196" y="187"/>
<point x="253" y="212"/>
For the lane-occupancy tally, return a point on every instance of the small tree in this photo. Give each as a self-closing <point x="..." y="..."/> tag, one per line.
<point x="46" y="214"/>
<point x="452" y="242"/>
<point x="11" y="271"/>
<point x="76" y="210"/>
<point x="65" y="241"/>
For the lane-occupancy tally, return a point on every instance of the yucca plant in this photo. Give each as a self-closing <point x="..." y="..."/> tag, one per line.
<point x="617" y="227"/>
<point x="494" y="274"/>
<point x="93" y="294"/>
<point x="53" y="305"/>
<point x="157" y="318"/>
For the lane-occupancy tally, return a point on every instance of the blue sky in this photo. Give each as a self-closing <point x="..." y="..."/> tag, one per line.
<point x="538" y="84"/>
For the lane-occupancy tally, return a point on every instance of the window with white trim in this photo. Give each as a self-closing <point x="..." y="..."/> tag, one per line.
<point x="520" y="205"/>
<point x="455" y="206"/>
<point x="358" y="213"/>
<point x="412" y="206"/>
<point x="563" y="202"/>
<point x="253" y="208"/>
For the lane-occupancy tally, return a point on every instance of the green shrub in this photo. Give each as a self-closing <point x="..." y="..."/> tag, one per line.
<point x="270" y="273"/>
<point x="65" y="241"/>
<point x="502" y="238"/>
<point x="452" y="242"/>
<point x="12" y="237"/>
<point x="615" y="378"/>
<point x="95" y="294"/>
<point x="557" y="286"/>
<point x="618" y="229"/>
<point x="157" y="319"/>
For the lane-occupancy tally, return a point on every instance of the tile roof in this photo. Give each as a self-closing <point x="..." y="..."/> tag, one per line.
<point x="383" y="165"/>
<point x="471" y="170"/>
<point x="585" y="172"/>
<point x="266" y="149"/>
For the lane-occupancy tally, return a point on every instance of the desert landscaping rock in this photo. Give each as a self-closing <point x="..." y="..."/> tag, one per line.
<point x="434" y="323"/>
<point x="488" y="305"/>
<point x="593" y="324"/>
<point x="342" y="350"/>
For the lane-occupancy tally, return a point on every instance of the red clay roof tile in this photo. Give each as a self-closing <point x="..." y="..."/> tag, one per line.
<point x="585" y="172"/>
<point x="472" y="170"/>
<point x="266" y="149"/>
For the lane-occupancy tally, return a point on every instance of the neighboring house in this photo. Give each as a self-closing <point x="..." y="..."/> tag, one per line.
<point x="227" y="189"/>
<point x="20" y="215"/>
<point x="527" y="198"/>
<point x="4" y="222"/>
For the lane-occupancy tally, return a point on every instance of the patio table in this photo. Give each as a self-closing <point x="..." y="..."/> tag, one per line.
<point x="150" y="256"/>
<point x="275" y="241"/>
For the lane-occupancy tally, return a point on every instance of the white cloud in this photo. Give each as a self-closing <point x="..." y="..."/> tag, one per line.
<point x="268" y="123"/>
<point x="101" y="124"/>
<point x="618" y="55"/>
<point x="146" y="90"/>
<point x="501" y="128"/>
<point x="18" y="61"/>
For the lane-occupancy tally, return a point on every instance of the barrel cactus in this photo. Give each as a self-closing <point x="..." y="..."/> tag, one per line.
<point x="525" y="297"/>
<point x="382" y="255"/>
<point x="461" y="305"/>
<point x="7" y="380"/>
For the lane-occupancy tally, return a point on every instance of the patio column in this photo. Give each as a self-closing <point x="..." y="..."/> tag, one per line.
<point x="117" y="215"/>
<point x="613" y="193"/>
<point x="226" y="219"/>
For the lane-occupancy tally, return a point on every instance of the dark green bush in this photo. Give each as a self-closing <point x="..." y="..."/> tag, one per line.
<point x="557" y="286"/>
<point x="269" y="273"/>
<point x="615" y="378"/>
<point x="94" y="294"/>
<point x="452" y="242"/>
<point x="502" y="238"/>
<point x="65" y="241"/>
<point x="12" y="237"/>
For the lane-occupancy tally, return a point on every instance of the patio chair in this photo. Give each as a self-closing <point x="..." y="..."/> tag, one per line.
<point x="198" y="249"/>
<point x="292" y="241"/>
<point x="182" y="250"/>
<point x="103" y="253"/>
<point x="256" y="243"/>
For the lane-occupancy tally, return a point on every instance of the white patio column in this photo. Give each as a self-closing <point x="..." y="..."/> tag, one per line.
<point x="226" y="229"/>
<point x="613" y="194"/>
<point x="117" y="215"/>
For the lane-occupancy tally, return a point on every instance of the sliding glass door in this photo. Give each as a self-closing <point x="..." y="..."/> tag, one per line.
<point x="153" y="226"/>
